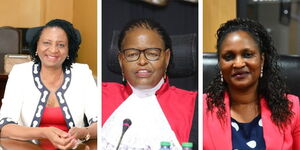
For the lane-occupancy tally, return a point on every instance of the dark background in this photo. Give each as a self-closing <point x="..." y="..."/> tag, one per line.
<point x="178" y="17"/>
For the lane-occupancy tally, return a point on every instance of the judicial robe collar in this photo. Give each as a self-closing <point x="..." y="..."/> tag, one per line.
<point x="165" y="86"/>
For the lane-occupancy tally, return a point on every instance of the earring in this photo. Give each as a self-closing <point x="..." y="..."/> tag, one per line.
<point x="165" y="75"/>
<point x="261" y="72"/>
<point x="68" y="57"/>
<point x="221" y="76"/>
<point x="123" y="79"/>
<point x="36" y="53"/>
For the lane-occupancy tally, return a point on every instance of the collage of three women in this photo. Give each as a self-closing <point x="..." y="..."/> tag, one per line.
<point x="150" y="75"/>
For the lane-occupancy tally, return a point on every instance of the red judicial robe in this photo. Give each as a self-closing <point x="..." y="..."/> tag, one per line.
<point x="177" y="104"/>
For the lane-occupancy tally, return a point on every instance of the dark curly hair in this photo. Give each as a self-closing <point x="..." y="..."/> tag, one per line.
<point x="73" y="41"/>
<point x="150" y="24"/>
<point x="271" y="86"/>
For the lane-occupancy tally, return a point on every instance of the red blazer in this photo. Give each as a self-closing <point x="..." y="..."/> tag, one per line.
<point x="217" y="136"/>
<point x="177" y="104"/>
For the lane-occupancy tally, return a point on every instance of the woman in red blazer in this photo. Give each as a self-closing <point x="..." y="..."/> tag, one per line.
<point x="246" y="105"/>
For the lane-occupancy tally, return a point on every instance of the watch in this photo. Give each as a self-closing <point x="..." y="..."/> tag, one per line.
<point x="87" y="137"/>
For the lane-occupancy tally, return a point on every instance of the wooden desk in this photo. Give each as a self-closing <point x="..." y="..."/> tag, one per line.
<point x="9" y="144"/>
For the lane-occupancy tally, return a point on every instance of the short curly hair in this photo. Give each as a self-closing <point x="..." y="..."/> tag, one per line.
<point x="271" y="86"/>
<point x="73" y="41"/>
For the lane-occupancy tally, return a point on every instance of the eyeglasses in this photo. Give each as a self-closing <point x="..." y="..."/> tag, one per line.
<point x="133" y="54"/>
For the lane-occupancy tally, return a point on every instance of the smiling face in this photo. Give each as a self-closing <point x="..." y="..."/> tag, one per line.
<point x="240" y="60"/>
<point x="52" y="47"/>
<point x="143" y="73"/>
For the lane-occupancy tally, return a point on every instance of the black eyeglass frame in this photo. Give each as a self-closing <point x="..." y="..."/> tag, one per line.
<point x="141" y="51"/>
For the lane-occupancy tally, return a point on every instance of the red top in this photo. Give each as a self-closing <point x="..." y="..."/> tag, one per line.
<point x="52" y="117"/>
<point x="177" y="105"/>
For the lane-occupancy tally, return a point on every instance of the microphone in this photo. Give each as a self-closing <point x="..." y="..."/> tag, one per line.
<point x="126" y="125"/>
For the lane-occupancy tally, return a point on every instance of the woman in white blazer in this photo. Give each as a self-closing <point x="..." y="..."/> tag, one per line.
<point x="49" y="97"/>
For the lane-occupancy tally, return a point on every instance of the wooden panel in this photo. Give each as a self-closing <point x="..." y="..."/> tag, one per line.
<point x="58" y="9"/>
<point x="215" y="12"/>
<point x="20" y="13"/>
<point x="31" y="13"/>
<point x="85" y="19"/>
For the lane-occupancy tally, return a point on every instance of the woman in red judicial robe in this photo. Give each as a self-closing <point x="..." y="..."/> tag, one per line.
<point x="158" y="111"/>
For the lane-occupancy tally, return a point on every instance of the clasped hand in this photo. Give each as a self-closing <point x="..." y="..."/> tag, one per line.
<point x="64" y="140"/>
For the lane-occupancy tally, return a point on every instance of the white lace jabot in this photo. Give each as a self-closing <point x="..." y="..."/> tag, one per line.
<point x="149" y="124"/>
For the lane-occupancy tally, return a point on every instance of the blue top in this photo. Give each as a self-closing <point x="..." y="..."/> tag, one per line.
<point x="248" y="136"/>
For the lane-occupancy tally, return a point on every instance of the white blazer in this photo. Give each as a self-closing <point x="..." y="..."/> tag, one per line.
<point x="26" y="97"/>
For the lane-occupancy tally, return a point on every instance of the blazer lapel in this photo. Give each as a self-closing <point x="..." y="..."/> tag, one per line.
<point x="220" y="132"/>
<point x="273" y="137"/>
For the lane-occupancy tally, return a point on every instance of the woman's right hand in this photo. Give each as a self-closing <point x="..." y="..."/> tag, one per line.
<point x="59" y="138"/>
